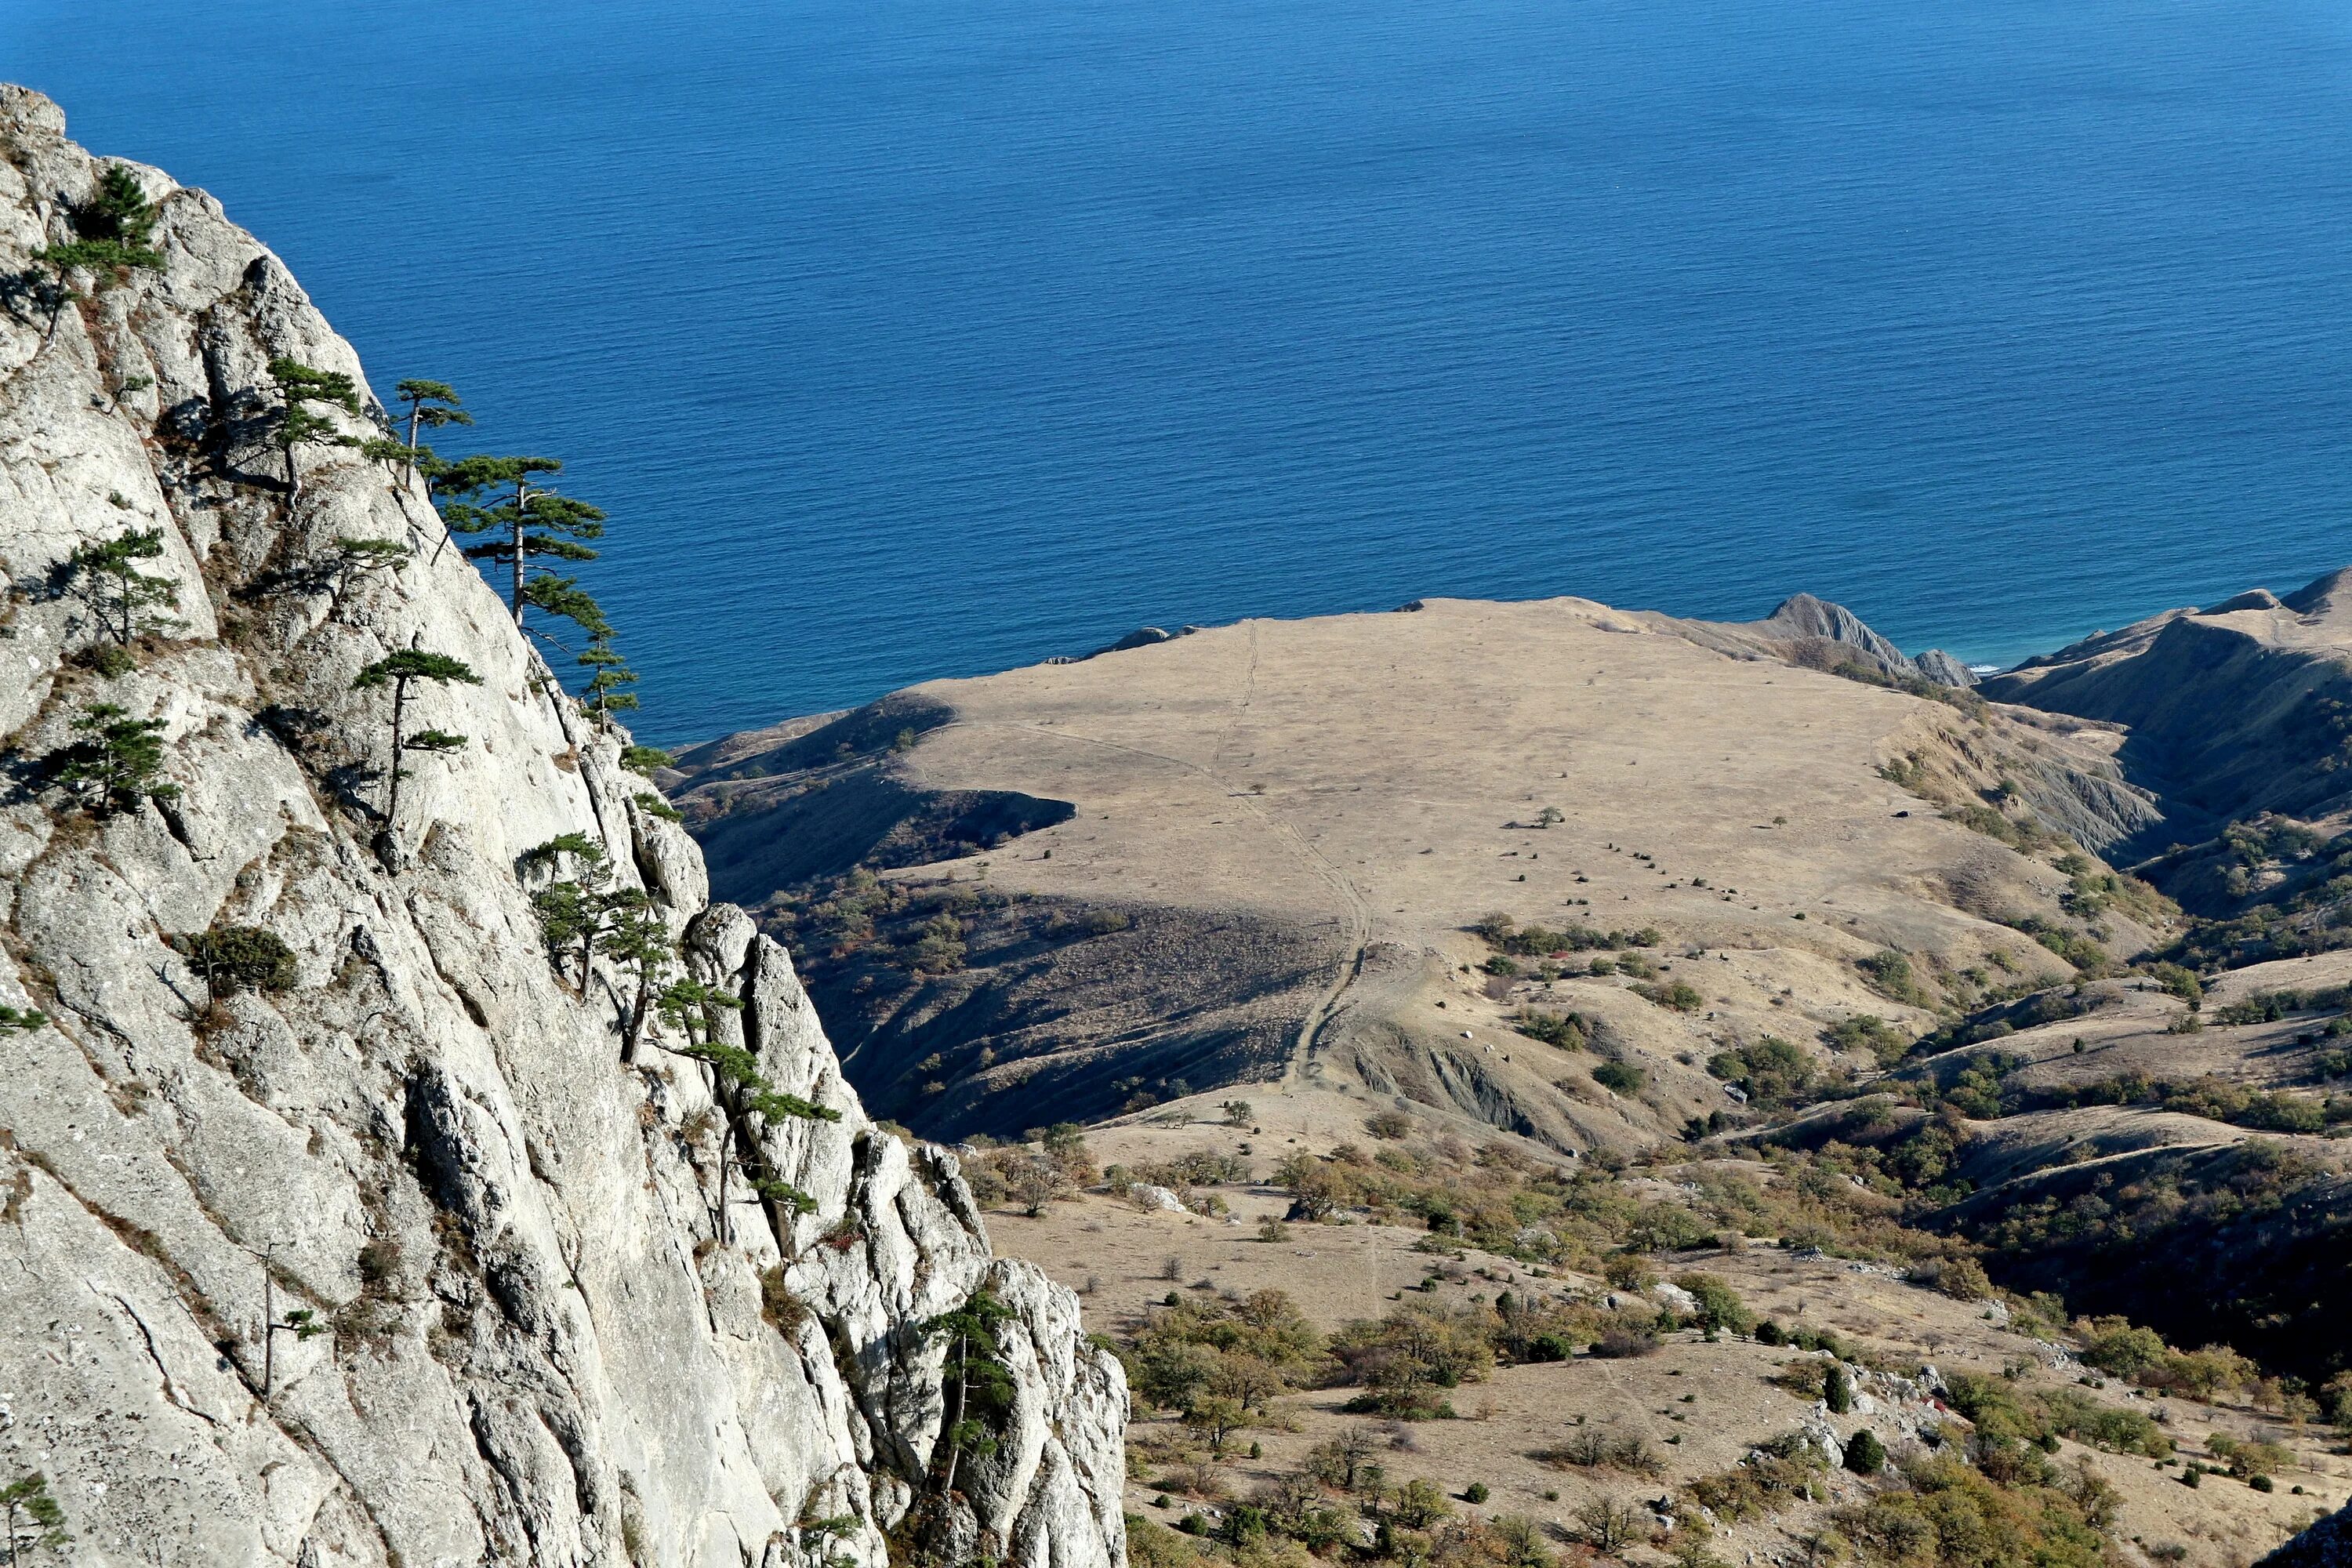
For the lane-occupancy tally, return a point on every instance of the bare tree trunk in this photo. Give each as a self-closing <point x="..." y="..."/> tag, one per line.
<point x="726" y="1145"/>
<point x="399" y="710"/>
<point x="268" y="1329"/>
<point x="955" y="1438"/>
<point x="523" y="513"/>
<point x="636" y="1026"/>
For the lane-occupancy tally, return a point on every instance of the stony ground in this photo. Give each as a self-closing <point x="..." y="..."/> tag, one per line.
<point x="1702" y="1406"/>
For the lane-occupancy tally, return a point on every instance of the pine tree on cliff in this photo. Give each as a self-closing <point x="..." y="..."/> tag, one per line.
<point x="565" y="599"/>
<point x="432" y="405"/>
<point x="124" y="598"/>
<point x="572" y="910"/>
<point x="505" y="498"/>
<point x="117" y="762"/>
<point x="294" y="424"/>
<point x="30" y="1519"/>
<point x="607" y="691"/>
<point x="740" y="1091"/>
<point x="400" y="671"/>
<point x="975" y="1372"/>
<point x="638" y="939"/>
<point x="345" y="561"/>
<point x="112" y="235"/>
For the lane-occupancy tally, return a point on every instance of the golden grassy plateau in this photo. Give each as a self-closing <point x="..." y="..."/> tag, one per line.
<point x="1643" y="1055"/>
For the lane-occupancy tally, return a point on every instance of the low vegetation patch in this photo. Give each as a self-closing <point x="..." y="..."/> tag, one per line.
<point x="1504" y="934"/>
<point x="2214" y="1099"/>
<point x="1562" y="1031"/>
<point x="1773" y="1073"/>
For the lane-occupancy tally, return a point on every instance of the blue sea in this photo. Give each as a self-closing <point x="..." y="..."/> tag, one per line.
<point x="910" y="338"/>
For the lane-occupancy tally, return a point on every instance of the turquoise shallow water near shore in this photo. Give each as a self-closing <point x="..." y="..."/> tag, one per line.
<point x="909" y="338"/>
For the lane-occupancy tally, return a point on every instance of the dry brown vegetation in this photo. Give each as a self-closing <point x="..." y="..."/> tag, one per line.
<point x="1279" y="1420"/>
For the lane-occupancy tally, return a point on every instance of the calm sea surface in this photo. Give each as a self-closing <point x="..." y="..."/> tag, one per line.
<point x="907" y="338"/>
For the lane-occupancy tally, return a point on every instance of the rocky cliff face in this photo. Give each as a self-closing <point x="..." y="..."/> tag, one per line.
<point x="539" y="1347"/>
<point x="2327" y="1544"/>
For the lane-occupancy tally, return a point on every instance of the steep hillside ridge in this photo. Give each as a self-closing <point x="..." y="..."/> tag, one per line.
<point x="2232" y="710"/>
<point x="542" y="1342"/>
<point x="814" y="801"/>
<point x="1257" y="852"/>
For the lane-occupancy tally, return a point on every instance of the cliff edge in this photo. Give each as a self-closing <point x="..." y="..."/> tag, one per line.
<point x="509" y="1321"/>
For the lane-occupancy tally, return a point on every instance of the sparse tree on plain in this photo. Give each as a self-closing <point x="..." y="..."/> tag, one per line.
<point x="1608" y="1524"/>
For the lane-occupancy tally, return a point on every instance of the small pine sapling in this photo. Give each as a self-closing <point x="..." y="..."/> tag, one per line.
<point x="302" y="1323"/>
<point x="644" y="759"/>
<point x="115" y="765"/>
<point x="21" y="1020"/>
<point x="402" y="671"/>
<point x="124" y="599"/>
<point x="30" y="1519"/>
<point x="607" y="691"/>
<point x="295" y="424"/>
<point x="119" y="210"/>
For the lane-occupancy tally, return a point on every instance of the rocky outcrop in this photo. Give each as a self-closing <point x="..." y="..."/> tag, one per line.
<point x="2327" y="1544"/>
<point x="1142" y="637"/>
<point x="1941" y="668"/>
<point x="506" y="1320"/>
<point x="1803" y="616"/>
<point x="1813" y="631"/>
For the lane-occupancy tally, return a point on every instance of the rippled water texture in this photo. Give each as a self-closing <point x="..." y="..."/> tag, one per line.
<point x="906" y="338"/>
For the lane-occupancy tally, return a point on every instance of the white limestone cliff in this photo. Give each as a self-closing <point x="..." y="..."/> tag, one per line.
<point x="540" y="1350"/>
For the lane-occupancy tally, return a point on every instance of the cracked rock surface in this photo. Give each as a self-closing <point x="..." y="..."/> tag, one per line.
<point x="538" y="1348"/>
